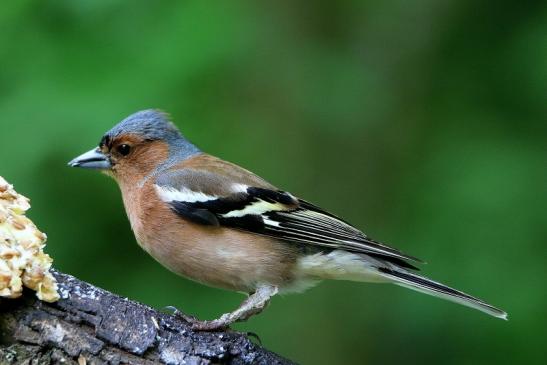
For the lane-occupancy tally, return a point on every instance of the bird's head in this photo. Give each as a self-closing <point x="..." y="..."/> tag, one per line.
<point x="138" y="145"/>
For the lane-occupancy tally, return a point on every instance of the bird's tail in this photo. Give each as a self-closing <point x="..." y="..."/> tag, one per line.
<point x="427" y="286"/>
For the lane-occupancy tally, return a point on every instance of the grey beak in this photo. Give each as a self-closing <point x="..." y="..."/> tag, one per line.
<point x="93" y="159"/>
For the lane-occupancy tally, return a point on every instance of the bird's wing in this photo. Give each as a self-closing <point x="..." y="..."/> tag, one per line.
<point x="206" y="198"/>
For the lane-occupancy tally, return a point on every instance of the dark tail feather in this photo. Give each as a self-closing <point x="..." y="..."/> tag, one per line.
<point x="427" y="286"/>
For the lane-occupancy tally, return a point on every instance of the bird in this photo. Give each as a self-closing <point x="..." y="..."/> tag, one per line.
<point x="221" y="225"/>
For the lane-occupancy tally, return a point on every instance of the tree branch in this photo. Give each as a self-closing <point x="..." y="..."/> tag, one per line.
<point x="92" y="326"/>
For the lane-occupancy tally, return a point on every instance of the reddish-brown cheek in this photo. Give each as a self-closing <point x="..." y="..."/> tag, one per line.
<point x="144" y="159"/>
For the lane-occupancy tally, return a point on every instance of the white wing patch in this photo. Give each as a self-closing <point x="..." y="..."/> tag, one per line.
<point x="257" y="208"/>
<point x="270" y="222"/>
<point x="168" y="194"/>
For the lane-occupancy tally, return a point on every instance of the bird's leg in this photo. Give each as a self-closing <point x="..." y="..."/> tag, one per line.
<point x="254" y="304"/>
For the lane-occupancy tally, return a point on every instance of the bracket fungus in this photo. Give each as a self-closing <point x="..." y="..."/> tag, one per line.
<point x="22" y="260"/>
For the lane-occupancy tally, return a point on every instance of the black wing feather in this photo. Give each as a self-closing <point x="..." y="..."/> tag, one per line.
<point x="195" y="214"/>
<point x="289" y="219"/>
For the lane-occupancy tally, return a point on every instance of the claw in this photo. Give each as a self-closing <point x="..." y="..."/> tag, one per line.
<point x="253" y="335"/>
<point x="174" y="311"/>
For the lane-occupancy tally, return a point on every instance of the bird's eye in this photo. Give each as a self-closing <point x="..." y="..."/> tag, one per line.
<point x="124" y="149"/>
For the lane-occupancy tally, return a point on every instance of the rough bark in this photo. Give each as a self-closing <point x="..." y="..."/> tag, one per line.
<point x="92" y="326"/>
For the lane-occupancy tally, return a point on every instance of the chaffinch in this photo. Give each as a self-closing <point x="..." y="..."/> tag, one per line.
<point x="216" y="223"/>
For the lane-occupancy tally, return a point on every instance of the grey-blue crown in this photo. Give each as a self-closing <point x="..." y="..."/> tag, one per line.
<point x="150" y="124"/>
<point x="155" y="125"/>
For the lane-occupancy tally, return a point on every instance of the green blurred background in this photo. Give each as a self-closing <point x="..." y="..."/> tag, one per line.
<point x="423" y="123"/>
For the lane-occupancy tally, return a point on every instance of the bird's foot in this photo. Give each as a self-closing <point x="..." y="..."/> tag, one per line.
<point x="219" y="324"/>
<point x="198" y="325"/>
<point x="254" y="304"/>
